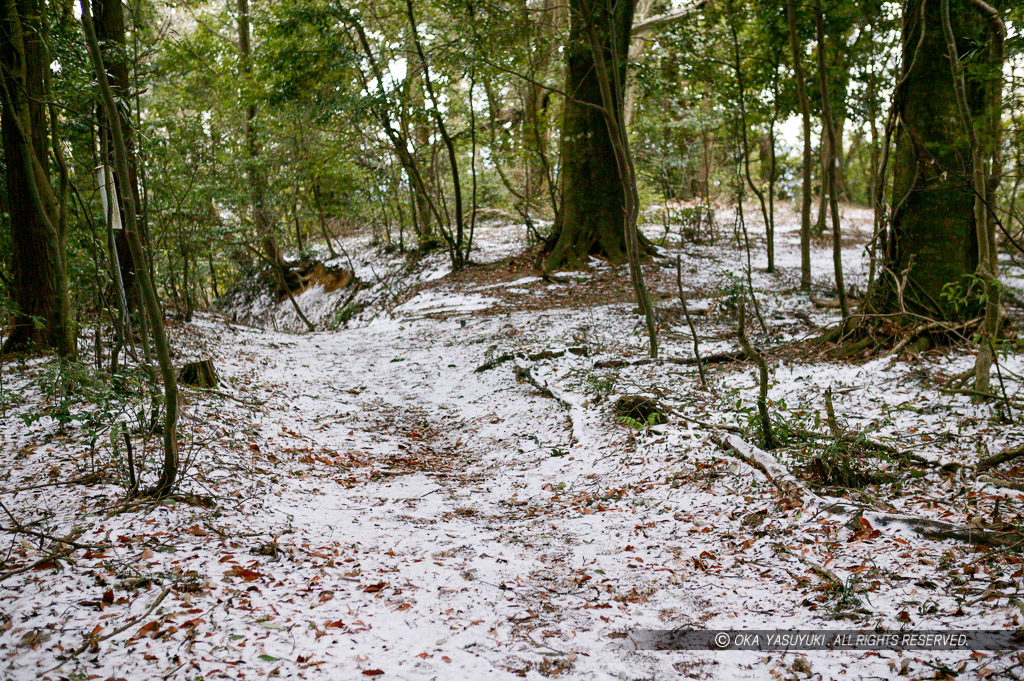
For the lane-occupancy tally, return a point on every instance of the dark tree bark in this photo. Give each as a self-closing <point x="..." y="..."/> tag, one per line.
<point x="457" y="242"/>
<point x="932" y="240"/>
<point x="415" y="129"/>
<point x="838" y="86"/>
<point x="612" y="89"/>
<point x="769" y="226"/>
<point x="590" y="220"/>
<point x="399" y="141"/>
<point x="985" y="154"/>
<point x="39" y="284"/>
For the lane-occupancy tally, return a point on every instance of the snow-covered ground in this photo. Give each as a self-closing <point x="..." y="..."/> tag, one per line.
<point x="372" y="501"/>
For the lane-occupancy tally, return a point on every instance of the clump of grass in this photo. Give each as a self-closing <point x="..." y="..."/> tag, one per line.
<point x="835" y="466"/>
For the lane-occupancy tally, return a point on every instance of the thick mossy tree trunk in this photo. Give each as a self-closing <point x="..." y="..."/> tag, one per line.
<point x="40" y="278"/>
<point x="932" y="239"/>
<point x="590" y="221"/>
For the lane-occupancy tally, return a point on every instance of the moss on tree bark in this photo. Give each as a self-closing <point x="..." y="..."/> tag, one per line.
<point x="591" y="219"/>
<point x="932" y="240"/>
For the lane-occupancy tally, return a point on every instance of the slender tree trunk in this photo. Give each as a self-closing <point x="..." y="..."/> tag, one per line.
<point x="112" y="219"/>
<point x="839" y="126"/>
<point x="873" y="180"/>
<point x="773" y="175"/>
<point x="213" y="273"/>
<point x="595" y="16"/>
<point x="823" y="153"/>
<point x="398" y="141"/>
<point x="418" y="130"/>
<point x="460" y="257"/>
<point x="261" y="217"/>
<point x="637" y="45"/>
<point x="169" y="471"/>
<point x="474" y="197"/>
<point x="805" y="118"/>
<point x="536" y="128"/>
<point x="707" y="158"/>
<point x="831" y="163"/>
<point x="839" y="76"/>
<point x="299" y="241"/>
<point x="322" y="218"/>
<point x="110" y="29"/>
<point x="768" y="226"/>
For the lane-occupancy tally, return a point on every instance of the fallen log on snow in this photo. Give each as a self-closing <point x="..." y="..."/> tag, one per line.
<point x="578" y="350"/>
<point x="717" y="358"/>
<point x="1001" y="457"/>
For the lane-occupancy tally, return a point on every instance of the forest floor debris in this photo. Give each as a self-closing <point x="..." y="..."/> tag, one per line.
<point x="389" y="500"/>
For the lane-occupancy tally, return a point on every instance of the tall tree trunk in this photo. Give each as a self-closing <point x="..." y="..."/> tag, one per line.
<point x="637" y="46"/>
<point x="322" y="218"/>
<point x="769" y="227"/>
<point x="40" y="286"/>
<point x="590" y="220"/>
<point x="257" y="177"/>
<point x="831" y="162"/>
<point x="169" y="471"/>
<point x="805" y="118"/>
<point x="299" y="242"/>
<point x="110" y="30"/>
<point x="874" y="190"/>
<point x="823" y="153"/>
<point x="550" y="17"/>
<point x="933" y="237"/>
<point x="838" y="76"/>
<point x="839" y="124"/>
<point x="595" y="14"/>
<point x="707" y="156"/>
<point x="395" y="135"/>
<point x="415" y="128"/>
<point x="984" y="150"/>
<point x="456" y="243"/>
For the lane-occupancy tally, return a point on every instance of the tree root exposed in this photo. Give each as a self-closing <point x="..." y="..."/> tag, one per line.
<point x="875" y="333"/>
<point x="579" y="351"/>
<point x="524" y="374"/>
<point x="792" y="490"/>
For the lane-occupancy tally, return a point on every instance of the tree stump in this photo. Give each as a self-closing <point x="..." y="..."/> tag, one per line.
<point x="200" y="374"/>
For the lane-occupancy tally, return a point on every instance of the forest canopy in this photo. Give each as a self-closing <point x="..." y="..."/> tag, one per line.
<point x="255" y="130"/>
